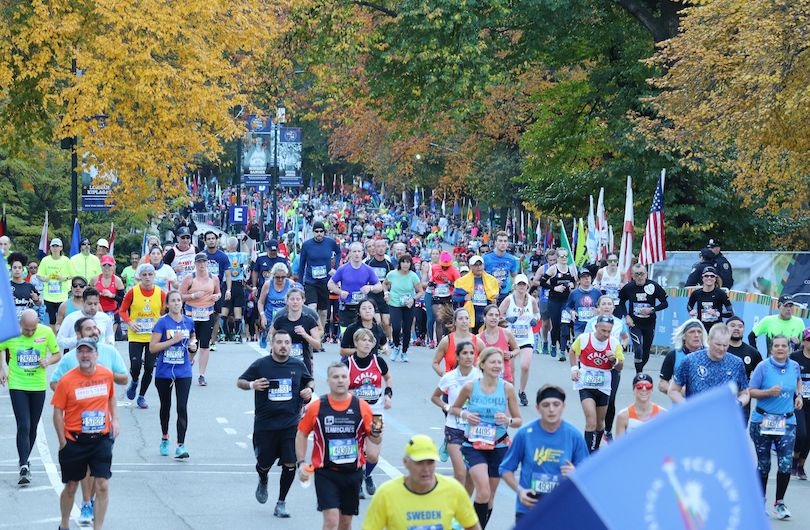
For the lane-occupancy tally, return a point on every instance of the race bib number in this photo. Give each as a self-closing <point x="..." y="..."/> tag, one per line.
<point x="479" y="297"/>
<point x="358" y="297"/>
<point x="94" y="421"/>
<point x="637" y="307"/>
<point x="407" y="300"/>
<point x="343" y="450"/>
<point x="774" y="424"/>
<point x="805" y="389"/>
<point x="54" y="287"/>
<point x="174" y="355"/>
<point x="145" y="324"/>
<point x="319" y="272"/>
<point x="593" y="378"/>
<point x="442" y="290"/>
<point x="437" y="526"/>
<point x="200" y="314"/>
<point x="297" y="351"/>
<point x="565" y="317"/>
<point x="708" y="313"/>
<point x="544" y="482"/>
<point x="520" y="330"/>
<point x="213" y="268"/>
<point x="613" y="293"/>
<point x="368" y="392"/>
<point x="280" y="390"/>
<point x="28" y="359"/>
<point x="483" y="433"/>
<point x="585" y="313"/>
<point x="380" y="272"/>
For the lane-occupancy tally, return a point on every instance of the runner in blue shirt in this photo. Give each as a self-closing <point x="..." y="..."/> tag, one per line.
<point x="235" y="295"/>
<point x="582" y="302"/>
<point x="318" y="259"/>
<point x="353" y="281"/>
<point x="501" y="264"/>
<point x="218" y="265"/>
<point x="561" y="447"/>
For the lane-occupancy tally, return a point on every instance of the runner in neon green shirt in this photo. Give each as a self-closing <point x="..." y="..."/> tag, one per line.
<point x="29" y="354"/>
<point x="55" y="271"/>
<point x="783" y="323"/>
<point x="128" y="274"/>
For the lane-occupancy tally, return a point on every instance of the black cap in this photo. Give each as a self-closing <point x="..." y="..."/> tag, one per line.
<point x="200" y="256"/>
<point x="271" y="244"/>
<point x="786" y="299"/>
<point x="85" y="241"/>
<point x="713" y="243"/>
<point x="710" y="270"/>
<point x="182" y="231"/>
<point x="642" y="377"/>
<point x="318" y="226"/>
<point x="584" y="271"/>
<point x="706" y="253"/>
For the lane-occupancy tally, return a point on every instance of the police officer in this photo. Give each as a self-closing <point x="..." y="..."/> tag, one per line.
<point x="696" y="274"/>
<point x="721" y="263"/>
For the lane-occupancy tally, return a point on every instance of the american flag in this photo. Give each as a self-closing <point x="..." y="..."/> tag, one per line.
<point x="653" y="247"/>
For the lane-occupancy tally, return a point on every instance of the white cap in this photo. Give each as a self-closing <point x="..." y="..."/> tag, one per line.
<point x="475" y="259"/>
<point x="56" y="241"/>
<point x="521" y="278"/>
<point x="103" y="243"/>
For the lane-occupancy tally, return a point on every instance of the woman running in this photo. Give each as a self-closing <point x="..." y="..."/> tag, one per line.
<point x="110" y="290"/>
<point x="522" y="313"/>
<point x="369" y="379"/>
<point x="405" y="289"/>
<point x="710" y="303"/>
<point x="776" y="384"/>
<point x="449" y="386"/>
<point x="447" y="346"/>
<point x="492" y="334"/>
<point x="642" y="410"/>
<point x="560" y="280"/>
<point x="365" y="320"/>
<point x="492" y="409"/>
<point x="199" y="291"/>
<point x="175" y="343"/>
<point x="165" y="277"/>
<point x="802" y="447"/>
<point x="304" y="329"/>
<point x="426" y="273"/>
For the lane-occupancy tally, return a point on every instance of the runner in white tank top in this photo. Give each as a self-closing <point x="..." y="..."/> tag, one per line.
<point x="609" y="279"/>
<point x="521" y="319"/>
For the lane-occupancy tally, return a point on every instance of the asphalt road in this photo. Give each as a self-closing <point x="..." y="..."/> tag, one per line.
<point x="214" y="488"/>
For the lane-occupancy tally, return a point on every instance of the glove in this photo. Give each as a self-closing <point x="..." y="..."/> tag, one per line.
<point x="511" y="320"/>
<point x="533" y="322"/>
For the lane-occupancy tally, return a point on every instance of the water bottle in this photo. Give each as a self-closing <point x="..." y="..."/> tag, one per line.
<point x="305" y="479"/>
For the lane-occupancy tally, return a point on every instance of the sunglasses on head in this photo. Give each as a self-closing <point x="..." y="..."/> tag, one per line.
<point x="643" y="386"/>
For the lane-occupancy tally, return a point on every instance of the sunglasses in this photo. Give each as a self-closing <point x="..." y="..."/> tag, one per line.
<point x="85" y="244"/>
<point x="79" y="285"/>
<point x="639" y="273"/>
<point x="318" y="231"/>
<point x="185" y="237"/>
<point x="107" y="265"/>
<point x="709" y="276"/>
<point x="613" y="261"/>
<point x="643" y="386"/>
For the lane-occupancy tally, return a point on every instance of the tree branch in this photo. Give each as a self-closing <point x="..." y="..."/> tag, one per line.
<point x="640" y="12"/>
<point x="376" y="7"/>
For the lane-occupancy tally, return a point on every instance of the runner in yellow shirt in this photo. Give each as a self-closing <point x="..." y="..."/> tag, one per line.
<point x="55" y="271"/>
<point x="420" y="499"/>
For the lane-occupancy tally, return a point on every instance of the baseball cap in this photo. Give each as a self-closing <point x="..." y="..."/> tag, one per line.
<point x="786" y="299"/>
<point x="85" y="241"/>
<point x="710" y="270"/>
<point x="271" y="244"/>
<point x="56" y="242"/>
<point x="713" y="243"/>
<point x="182" y="231"/>
<point x="463" y="269"/>
<point x="521" y="278"/>
<point x="421" y="448"/>
<point x="707" y="253"/>
<point x="90" y="343"/>
<point x="317" y="225"/>
<point x="107" y="260"/>
<point x="584" y="272"/>
<point x="445" y="260"/>
<point x="642" y="377"/>
<point x="200" y="256"/>
<point x="103" y="243"/>
<point x="476" y="259"/>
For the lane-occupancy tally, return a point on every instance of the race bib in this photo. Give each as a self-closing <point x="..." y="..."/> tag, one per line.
<point x="774" y="424"/>
<point x="94" y="421"/>
<point x="145" y="324"/>
<point x="297" y="351"/>
<point x="805" y="389"/>
<point x="520" y="330"/>
<point x="54" y="287"/>
<point x="442" y="290"/>
<point x="437" y="526"/>
<point x="358" y="297"/>
<point x="585" y="313"/>
<point x="407" y="300"/>
<point x="593" y="378"/>
<point x="200" y="314"/>
<point x="319" y="272"/>
<point x="174" y="355"/>
<point x="368" y="392"/>
<point x="19" y="309"/>
<point x="280" y="390"/>
<point x="544" y="482"/>
<point x="213" y="268"/>
<point x="708" y="313"/>
<point x="479" y="297"/>
<point x="637" y="307"/>
<point x="380" y="272"/>
<point x="28" y="359"/>
<point x="343" y="450"/>
<point x="565" y="317"/>
<point x="483" y="433"/>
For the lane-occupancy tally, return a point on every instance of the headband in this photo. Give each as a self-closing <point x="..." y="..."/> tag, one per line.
<point x="550" y="392"/>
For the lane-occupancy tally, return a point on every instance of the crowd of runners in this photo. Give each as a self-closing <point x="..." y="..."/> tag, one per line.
<point x="376" y="281"/>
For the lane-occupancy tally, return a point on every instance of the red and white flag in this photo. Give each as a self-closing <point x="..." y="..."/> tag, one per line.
<point x="626" y="251"/>
<point x="653" y="246"/>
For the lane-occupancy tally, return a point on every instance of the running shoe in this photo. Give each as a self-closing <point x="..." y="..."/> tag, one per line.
<point x="362" y="495"/>
<point x="86" y="514"/>
<point x="553" y="351"/>
<point x="164" y="447"/>
<point x="562" y="358"/>
<point x="404" y="357"/>
<point x="524" y="401"/>
<point x="432" y="344"/>
<point x="132" y="388"/>
<point x="371" y="489"/>
<point x="261" y="491"/>
<point x="444" y="456"/>
<point x="780" y="510"/>
<point x="281" y="510"/>
<point x="181" y="452"/>
<point x="213" y="346"/>
<point x="25" y="476"/>
<point x="394" y="353"/>
<point x="800" y="474"/>
<point x="201" y="381"/>
<point x="544" y="350"/>
<point x="608" y="436"/>
<point x="142" y="403"/>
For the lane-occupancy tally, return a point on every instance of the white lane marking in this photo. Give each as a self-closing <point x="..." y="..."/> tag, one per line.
<point x="222" y="421"/>
<point x="249" y="437"/>
<point x="241" y="445"/>
<point x="229" y="431"/>
<point x="50" y="468"/>
<point x="29" y="523"/>
<point x="35" y="488"/>
<point x="250" y="412"/>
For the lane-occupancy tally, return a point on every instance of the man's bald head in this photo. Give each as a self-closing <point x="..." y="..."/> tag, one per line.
<point x="28" y="322"/>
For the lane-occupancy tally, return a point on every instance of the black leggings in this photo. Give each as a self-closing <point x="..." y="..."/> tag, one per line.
<point x="802" y="447"/>
<point x="27" y="406"/>
<point x="555" y="315"/>
<point x="645" y="336"/>
<point x="420" y="317"/>
<point x="615" y="378"/>
<point x="182" y="386"/>
<point x="139" y="355"/>
<point x="401" y="322"/>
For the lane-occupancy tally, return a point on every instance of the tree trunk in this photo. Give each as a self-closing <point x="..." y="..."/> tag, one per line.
<point x="659" y="17"/>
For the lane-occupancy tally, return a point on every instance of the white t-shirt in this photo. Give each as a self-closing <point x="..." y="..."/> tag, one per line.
<point x="451" y="383"/>
<point x="163" y="276"/>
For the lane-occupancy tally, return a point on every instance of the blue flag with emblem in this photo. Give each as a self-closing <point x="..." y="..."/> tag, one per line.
<point x="9" y="323"/>
<point x="76" y="239"/>
<point x="689" y="469"/>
